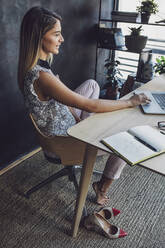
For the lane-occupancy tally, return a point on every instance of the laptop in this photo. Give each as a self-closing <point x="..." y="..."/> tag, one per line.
<point x="157" y="104"/>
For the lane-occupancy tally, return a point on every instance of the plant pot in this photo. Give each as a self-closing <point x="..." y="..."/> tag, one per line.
<point x="145" y="17"/>
<point x="135" y="43"/>
<point x="112" y="93"/>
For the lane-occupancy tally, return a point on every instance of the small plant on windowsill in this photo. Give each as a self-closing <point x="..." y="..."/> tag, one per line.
<point x="160" y="65"/>
<point x="114" y="80"/>
<point x="147" y="8"/>
<point x="136" y="31"/>
<point x="135" y="42"/>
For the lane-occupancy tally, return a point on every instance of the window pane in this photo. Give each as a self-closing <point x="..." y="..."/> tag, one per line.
<point x="129" y="5"/>
<point x="156" y="35"/>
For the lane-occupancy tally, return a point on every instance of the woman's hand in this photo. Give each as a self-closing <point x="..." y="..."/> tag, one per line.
<point x="139" y="99"/>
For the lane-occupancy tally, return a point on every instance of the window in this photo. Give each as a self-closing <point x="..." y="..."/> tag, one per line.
<point x="156" y="36"/>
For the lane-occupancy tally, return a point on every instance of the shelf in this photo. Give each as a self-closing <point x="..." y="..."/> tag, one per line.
<point x="124" y="49"/>
<point x="105" y="43"/>
<point x="154" y="24"/>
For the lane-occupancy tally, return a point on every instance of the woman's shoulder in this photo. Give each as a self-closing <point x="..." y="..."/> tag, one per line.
<point x="37" y="68"/>
<point x="34" y="73"/>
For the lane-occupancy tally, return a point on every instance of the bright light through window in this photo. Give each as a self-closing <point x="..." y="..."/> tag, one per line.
<point x="156" y="36"/>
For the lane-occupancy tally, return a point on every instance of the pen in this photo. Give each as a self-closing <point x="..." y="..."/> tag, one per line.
<point x="145" y="143"/>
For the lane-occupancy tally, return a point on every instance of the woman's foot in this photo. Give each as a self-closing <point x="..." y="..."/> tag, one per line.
<point x="101" y="197"/>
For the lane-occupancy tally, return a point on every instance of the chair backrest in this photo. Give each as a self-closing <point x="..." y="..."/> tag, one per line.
<point x="68" y="149"/>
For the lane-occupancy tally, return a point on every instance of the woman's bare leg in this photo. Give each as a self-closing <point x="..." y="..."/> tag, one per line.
<point x="101" y="188"/>
<point x="114" y="165"/>
<point x="112" y="171"/>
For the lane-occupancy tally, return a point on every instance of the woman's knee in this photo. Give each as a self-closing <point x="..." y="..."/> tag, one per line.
<point x="93" y="84"/>
<point x="94" y="88"/>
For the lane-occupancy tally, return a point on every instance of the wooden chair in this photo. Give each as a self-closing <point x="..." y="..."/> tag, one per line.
<point x="70" y="152"/>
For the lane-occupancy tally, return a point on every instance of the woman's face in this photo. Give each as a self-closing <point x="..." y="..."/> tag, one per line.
<point x="52" y="40"/>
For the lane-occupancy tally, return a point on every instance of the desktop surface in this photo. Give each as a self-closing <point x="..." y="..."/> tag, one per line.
<point x="98" y="126"/>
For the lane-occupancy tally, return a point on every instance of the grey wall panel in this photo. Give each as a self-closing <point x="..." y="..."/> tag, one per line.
<point x="75" y="64"/>
<point x="78" y="59"/>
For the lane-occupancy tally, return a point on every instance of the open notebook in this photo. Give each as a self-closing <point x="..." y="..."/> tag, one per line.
<point x="137" y="144"/>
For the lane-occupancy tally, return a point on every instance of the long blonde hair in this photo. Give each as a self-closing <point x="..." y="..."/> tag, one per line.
<point x="36" y="22"/>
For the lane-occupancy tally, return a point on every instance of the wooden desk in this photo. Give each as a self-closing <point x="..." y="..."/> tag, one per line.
<point x="101" y="125"/>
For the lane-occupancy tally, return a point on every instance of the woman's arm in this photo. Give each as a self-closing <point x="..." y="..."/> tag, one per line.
<point x="51" y="86"/>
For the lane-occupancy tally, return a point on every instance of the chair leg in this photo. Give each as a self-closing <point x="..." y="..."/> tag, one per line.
<point x="61" y="173"/>
<point x="67" y="171"/>
<point x="72" y="178"/>
<point x="79" y="167"/>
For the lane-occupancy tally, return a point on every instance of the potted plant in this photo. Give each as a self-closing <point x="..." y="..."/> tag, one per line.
<point x="147" y="8"/>
<point x="114" y="81"/>
<point x="135" y="42"/>
<point x="160" y="65"/>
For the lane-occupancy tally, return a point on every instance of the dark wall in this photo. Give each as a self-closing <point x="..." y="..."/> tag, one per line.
<point x="74" y="64"/>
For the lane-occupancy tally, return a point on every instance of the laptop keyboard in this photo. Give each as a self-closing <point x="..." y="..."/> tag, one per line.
<point x="160" y="99"/>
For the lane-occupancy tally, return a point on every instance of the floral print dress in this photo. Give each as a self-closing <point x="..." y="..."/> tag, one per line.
<point x="52" y="117"/>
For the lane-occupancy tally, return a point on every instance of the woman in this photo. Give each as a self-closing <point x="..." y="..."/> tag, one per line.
<point x="54" y="106"/>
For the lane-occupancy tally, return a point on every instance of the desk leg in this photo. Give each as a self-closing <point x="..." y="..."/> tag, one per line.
<point x="87" y="169"/>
